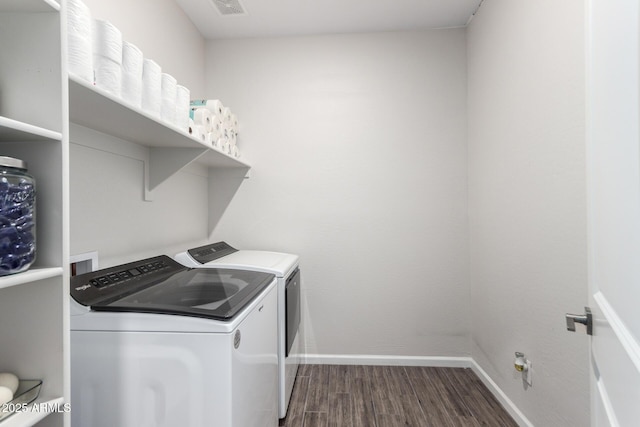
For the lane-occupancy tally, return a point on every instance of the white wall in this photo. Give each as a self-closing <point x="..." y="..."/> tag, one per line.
<point x="108" y="213"/>
<point x="527" y="202"/>
<point x="163" y="32"/>
<point x="358" y="152"/>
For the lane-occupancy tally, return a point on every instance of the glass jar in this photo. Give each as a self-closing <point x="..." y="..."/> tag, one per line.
<point x="17" y="216"/>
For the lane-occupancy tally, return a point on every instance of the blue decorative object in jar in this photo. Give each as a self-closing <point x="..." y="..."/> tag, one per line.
<point x="17" y="216"/>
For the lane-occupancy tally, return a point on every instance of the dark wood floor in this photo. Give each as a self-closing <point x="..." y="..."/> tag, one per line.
<point x="390" y="396"/>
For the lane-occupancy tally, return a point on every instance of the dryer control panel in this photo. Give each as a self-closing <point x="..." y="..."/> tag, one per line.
<point x="208" y="253"/>
<point x="109" y="284"/>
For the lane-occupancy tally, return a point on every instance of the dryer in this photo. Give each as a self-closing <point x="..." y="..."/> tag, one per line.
<point x="157" y="344"/>
<point x="287" y="271"/>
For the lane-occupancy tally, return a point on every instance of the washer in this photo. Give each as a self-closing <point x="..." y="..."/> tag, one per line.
<point x="157" y="344"/>
<point x="286" y="269"/>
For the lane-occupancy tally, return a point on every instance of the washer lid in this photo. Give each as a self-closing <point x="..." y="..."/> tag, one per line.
<point x="169" y="288"/>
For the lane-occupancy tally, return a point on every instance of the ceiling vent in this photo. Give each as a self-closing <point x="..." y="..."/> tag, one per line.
<point x="229" y="7"/>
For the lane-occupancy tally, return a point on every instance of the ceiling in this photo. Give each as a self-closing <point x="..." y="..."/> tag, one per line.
<point x="272" y="18"/>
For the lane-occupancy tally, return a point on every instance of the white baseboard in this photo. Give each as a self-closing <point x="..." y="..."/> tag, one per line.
<point x="365" y="359"/>
<point x="445" y="362"/>
<point x="497" y="392"/>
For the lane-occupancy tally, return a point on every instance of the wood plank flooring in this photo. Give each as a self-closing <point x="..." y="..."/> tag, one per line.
<point x="391" y="396"/>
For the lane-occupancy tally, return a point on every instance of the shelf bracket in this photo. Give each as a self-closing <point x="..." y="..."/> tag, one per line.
<point x="163" y="163"/>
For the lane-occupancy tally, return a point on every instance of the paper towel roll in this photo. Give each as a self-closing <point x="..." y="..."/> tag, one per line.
<point x="108" y="75"/>
<point x="79" y="34"/>
<point x="132" y="65"/>
<point x="169" y="93"/>
<point x="151" y="87"/>
<point x="107" y="40"/>
<point x="107" y="56"/>
<point x="202" y="117"/>
<point x="183" y="96"/>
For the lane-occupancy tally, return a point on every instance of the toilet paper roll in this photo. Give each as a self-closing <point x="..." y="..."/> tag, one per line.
<point x="79" y="40"/>
<point x="202" y="117"/>
<point x="209" y="139"/>
<point x="169" y="93"/>
<point x="226" y="115"/>
<point x="151" y="87"/>
<point x="108" y="74"/>
<point x="216" y="123"/>
<point x="215" y="135"/>
<point x="107" y="41"/>
<point x="132" y="66"/>
<point x="234" y="151"/>
<point x="200" y="133"/>
<point x="214" y="105"/>
<point x="183" y="95"/>
<point x="192" y="125"/>
<point x="234" y="122"/>
<point x="226" y="147"/>
<point x="231" y="137"/>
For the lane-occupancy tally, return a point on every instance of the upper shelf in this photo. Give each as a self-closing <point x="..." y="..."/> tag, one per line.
<point x="97" y="109"/>
<point x="29" y="6"/>
<point x="13" y="130"/>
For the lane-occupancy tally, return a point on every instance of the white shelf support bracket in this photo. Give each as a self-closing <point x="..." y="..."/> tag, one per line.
<point x="163" y="163"/>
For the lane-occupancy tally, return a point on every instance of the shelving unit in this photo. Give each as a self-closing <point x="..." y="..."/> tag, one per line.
<point x="34" y="305"/>
<point x="13" y="130"/>
<point x="170" y="148"/>
<point x="39" y="100"/>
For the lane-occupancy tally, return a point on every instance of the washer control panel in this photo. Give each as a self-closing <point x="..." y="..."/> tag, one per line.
<point x="110" y="284"/>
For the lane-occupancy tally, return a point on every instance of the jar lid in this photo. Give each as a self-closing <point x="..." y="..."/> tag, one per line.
<point x="13" y="163"/>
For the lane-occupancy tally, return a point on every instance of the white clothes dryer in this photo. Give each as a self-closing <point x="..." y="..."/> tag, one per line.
<point x="157" y="344"/>
<point x="287" y="271"/>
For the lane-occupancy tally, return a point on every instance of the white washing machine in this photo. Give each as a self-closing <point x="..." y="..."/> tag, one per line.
<point x="157" y="344"/>
<point x="286" y="269"/>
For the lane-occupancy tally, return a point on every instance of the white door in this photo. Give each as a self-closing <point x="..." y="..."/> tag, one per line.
<point x="613" y="182"/>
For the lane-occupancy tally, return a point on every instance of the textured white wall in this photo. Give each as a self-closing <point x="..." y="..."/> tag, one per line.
<point x="358" y="152"/>
<point x="163" y="32"/>
<point x="527" y="202"/>
<point x="109" y="214"/>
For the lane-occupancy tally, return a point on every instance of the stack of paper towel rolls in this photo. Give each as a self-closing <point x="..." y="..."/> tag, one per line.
<point x="107" y="56"/>
<point x="215" y="124"/>
<point x="79" y="40"/>
<point x="98" y="54"/>
<point x="132" y="62"/>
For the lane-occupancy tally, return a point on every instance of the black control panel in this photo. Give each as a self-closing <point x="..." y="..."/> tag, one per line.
<point x="208" y="253"/>
<point x="103" y="286"/>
